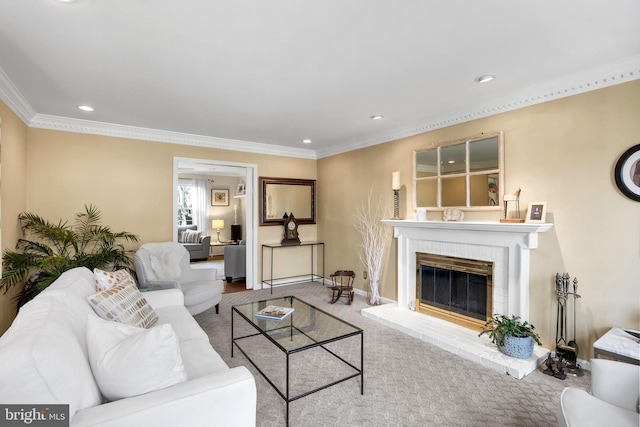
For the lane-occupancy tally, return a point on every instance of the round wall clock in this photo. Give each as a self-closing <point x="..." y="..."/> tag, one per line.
<point x="627" y="173"/>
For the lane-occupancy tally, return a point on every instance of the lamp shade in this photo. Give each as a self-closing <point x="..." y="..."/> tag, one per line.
<point x="217" y="224"/>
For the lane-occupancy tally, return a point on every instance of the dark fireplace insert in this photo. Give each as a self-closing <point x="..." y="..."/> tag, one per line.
<point x="455" y="289"/>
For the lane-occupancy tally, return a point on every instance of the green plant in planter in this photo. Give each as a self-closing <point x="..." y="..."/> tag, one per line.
<point x="56" y="248"/>
<point x="500" y="326"/>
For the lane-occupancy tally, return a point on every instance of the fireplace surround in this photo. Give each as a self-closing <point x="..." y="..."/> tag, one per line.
<point x="506" y="245"/>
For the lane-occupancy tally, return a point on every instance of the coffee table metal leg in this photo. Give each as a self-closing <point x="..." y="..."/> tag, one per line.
<point x="231" y="331"/>
<point x="287" y="399"/>
<point x="362" y="363"/>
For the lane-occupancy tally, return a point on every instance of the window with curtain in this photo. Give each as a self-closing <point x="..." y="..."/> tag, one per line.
<point x="192" y="203"/>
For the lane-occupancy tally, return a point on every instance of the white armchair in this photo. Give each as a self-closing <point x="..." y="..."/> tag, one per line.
<point x="167" y="263"/>
<point x="614" y="398"/>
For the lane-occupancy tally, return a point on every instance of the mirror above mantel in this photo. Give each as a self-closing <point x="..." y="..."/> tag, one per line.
<point x="280" y="196"/>
<point x="467" y="174"/>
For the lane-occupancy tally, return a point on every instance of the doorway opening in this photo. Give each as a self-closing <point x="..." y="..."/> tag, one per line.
<point x="222" y="199"/>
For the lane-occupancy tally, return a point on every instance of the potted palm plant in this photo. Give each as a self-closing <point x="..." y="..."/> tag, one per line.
<point x="513" y="337"/>
<point x="56" y="248"/>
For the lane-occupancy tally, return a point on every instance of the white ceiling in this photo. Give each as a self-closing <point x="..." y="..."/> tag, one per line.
<point x="261" y="75"/>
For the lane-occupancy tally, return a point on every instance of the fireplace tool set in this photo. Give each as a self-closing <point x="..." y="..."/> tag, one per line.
<point x="566" y="351"/>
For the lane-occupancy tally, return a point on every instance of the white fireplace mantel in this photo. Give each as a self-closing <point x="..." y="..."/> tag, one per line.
<point x="507" y="245"/>
<point x="530" y="230"/>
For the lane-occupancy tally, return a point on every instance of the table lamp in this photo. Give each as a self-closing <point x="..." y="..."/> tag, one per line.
<point x="217" y="224"/>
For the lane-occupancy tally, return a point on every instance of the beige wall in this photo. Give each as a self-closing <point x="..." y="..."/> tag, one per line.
<point x="562" y="152"/>
<point x="130" y="181"/>
<point x="14" y="194"/>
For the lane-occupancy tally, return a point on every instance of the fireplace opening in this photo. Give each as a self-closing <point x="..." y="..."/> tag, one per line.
<point x="458" y="290"/>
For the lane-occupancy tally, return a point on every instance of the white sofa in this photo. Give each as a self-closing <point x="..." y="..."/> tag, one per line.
<point x="44" y="360"/>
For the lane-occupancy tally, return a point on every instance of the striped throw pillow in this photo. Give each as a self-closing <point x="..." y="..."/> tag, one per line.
<point x="191" y="236"/>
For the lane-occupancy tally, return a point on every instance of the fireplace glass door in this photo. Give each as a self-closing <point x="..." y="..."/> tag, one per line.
<point x="455" y="289"/>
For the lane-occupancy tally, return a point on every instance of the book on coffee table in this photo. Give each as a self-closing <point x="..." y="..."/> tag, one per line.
<point x="274" y="312"/>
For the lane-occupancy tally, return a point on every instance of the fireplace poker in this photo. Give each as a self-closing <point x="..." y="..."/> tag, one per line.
<point x="567" y="351"/>
<point x="574" y="367"/>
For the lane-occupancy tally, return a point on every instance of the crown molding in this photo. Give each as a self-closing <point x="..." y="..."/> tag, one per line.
<point x="10" y="95"/>
<point x="43" y="121"/>
<point x="595" y="78"/>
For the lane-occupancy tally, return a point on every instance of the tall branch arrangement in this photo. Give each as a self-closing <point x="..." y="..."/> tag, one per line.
<point x="376" y="238"/>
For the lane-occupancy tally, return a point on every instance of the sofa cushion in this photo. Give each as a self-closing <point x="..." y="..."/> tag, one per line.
<point x="200" y="359"/>
<point x="196" y="292"/>
<point x="128" y="361"/>
<point x="183" y="323"/>
<point x="108" y="279"/>
<point x="42" y="359"/>
<point x="71" y="289"/>
<point x="123" y="303"/>
<point x="191" y="247"/>
<point x="198" y="356"/>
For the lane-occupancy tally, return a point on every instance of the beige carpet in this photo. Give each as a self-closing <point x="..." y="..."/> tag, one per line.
<point x="435" y="387"/>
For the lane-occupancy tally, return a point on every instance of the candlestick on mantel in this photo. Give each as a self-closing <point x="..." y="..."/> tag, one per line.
<point x="395" y="186"/>
<point x="395" y="180"/>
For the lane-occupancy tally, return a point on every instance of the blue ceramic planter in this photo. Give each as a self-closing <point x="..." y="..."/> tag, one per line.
<point x="518" y="347"/>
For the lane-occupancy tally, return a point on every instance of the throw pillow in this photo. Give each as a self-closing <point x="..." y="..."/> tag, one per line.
<point x="191" y="236"/>
<point x="108" y="279"/>
<point x="125" y="304"/>
<point x="128" y="361"/>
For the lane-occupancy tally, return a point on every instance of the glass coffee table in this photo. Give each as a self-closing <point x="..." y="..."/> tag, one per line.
<point x="306" y="329"/>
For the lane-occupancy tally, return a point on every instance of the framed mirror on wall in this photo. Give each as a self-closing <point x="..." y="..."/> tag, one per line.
<point x="280" y="196"/>
<point x="466" y="174"/>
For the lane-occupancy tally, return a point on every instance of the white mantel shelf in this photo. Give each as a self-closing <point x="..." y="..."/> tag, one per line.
<point x="504" y="227"/>
<point x="528" y="232"/>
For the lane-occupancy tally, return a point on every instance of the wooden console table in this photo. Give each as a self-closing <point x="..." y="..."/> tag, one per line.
<point x="314" y="246"/>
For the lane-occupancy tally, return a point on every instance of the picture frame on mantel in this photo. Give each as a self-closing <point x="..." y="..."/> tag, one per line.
<point x="536" y="213"/>
<point x="219" y="197"/>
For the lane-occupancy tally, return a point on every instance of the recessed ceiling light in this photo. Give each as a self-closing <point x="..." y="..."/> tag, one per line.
<point x="451" y="161"/>
<point x="66" y="1"/>
<point x="306" y="141"/>
<point x="85" y="108"/>
<point x="485" y="78"/>
<point x="376" y="117"/>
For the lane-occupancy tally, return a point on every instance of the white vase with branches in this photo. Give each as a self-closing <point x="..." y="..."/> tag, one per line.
<point x="376" y="238"/>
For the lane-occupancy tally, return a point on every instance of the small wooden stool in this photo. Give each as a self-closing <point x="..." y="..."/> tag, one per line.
<point x="342" y="285"/>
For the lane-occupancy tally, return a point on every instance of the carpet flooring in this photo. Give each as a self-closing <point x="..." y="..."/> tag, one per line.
<point x="407" y="382"/>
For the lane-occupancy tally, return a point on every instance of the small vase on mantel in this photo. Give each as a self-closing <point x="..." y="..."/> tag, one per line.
<point x="373" y="296"/>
